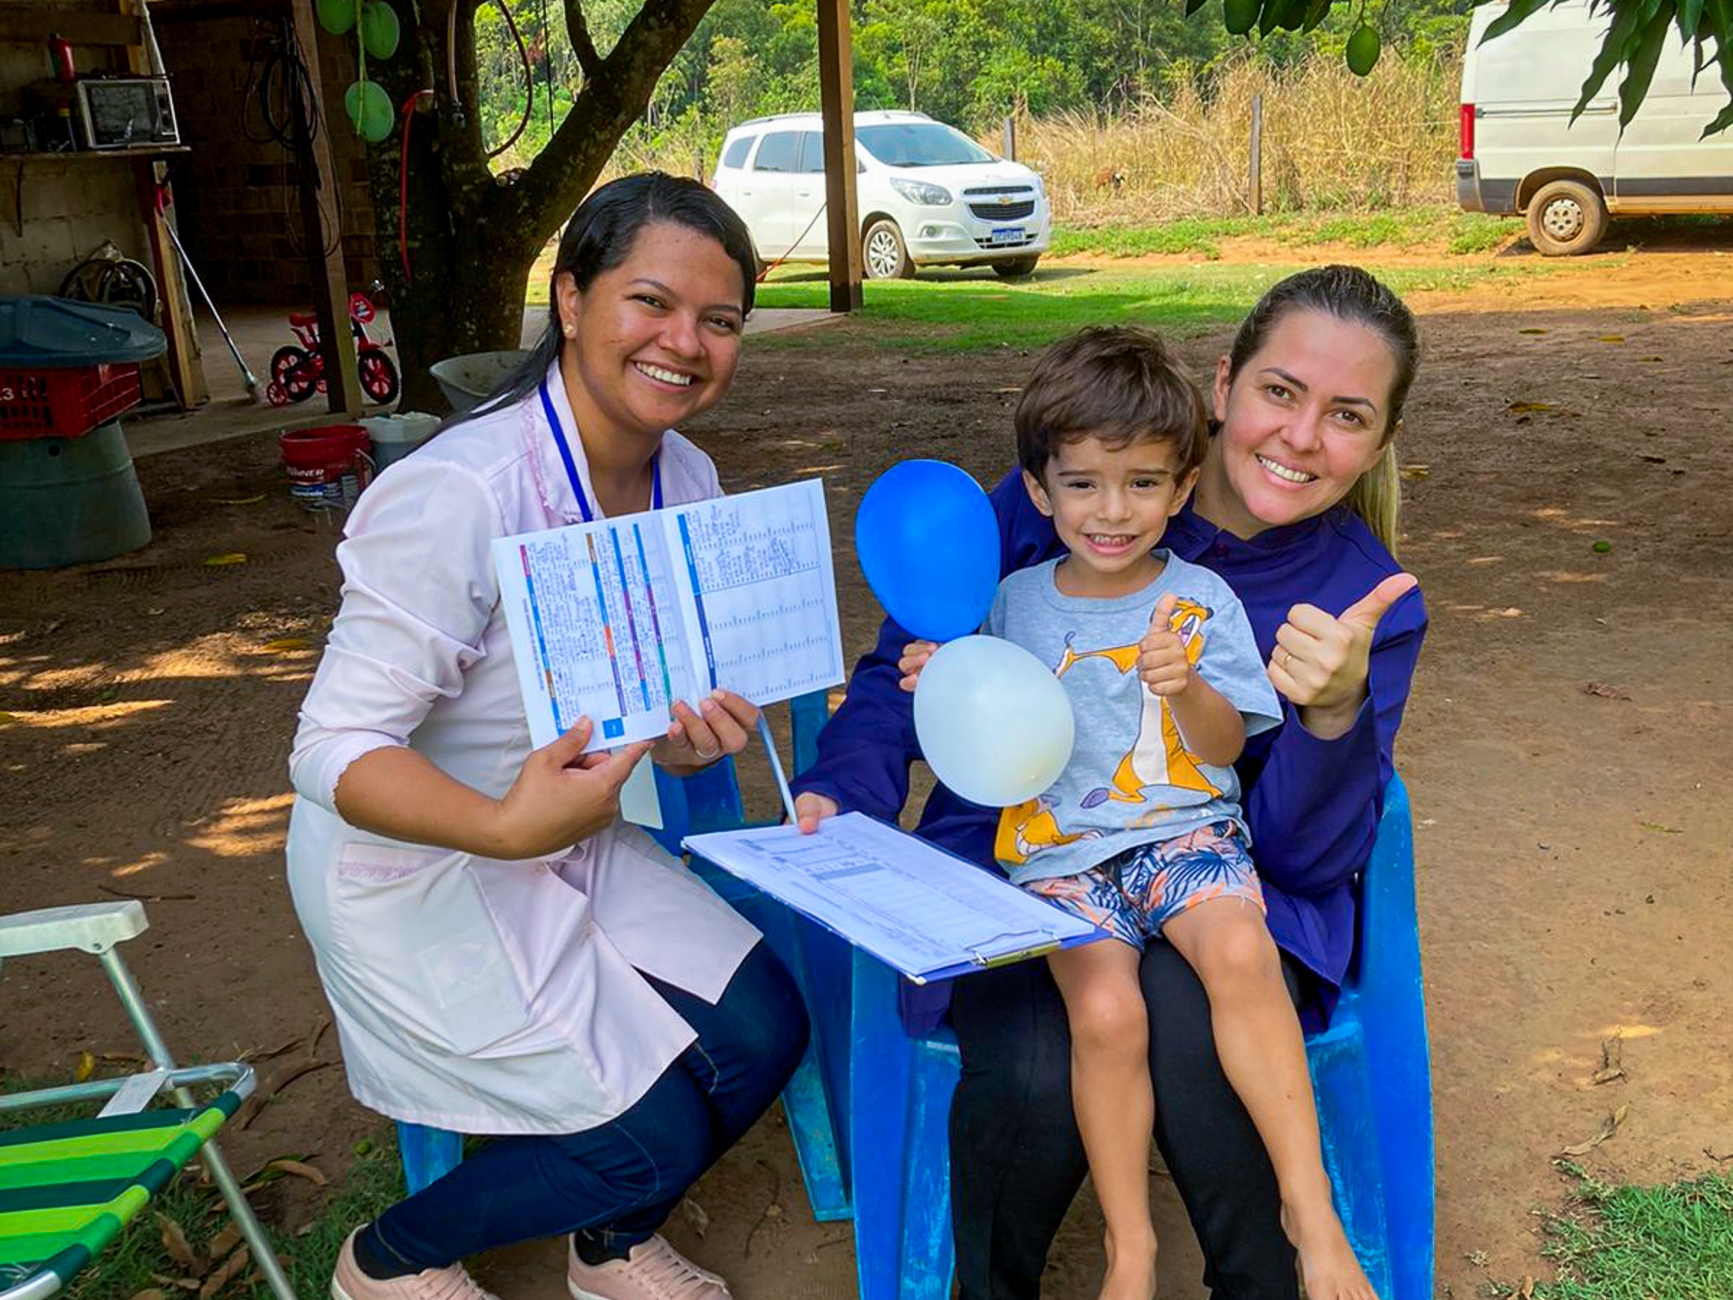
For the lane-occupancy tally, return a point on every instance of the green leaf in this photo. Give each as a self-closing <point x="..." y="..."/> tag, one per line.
<point x="1640" y="68"/>
<point x="1519" y="12"/>
<point x="1690" y="18"/>
<point x="1319" y="10"/>
<point x="1612" y="52"/>
<point x="1192" y="6"/>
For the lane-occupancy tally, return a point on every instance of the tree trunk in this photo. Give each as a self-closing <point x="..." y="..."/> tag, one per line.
<point x="472" y="237"/>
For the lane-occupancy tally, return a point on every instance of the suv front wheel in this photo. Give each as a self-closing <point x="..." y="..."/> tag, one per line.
<point x="1016" y="268"/>
<point x="885" y="254"/>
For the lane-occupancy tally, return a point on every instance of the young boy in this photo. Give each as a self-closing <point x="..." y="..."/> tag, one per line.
<point x="1142" y="832"/>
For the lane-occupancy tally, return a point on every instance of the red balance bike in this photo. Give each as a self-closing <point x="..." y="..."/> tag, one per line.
<point x="299" y="372"/>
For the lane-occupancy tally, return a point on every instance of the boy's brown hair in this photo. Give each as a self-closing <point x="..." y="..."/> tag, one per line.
<point x="1118" y="383"/>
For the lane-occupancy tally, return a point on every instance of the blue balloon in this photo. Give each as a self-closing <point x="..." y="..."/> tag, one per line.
<point x="928" y="542"/>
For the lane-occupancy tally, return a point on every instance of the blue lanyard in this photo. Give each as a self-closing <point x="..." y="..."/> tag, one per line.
<point x="572" y="466"/>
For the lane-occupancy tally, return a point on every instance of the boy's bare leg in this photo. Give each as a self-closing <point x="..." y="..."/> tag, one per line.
<point x="1111" y="1093"/>
<point x="1264" y="1056"/>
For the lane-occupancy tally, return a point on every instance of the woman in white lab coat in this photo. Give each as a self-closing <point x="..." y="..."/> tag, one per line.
<point x="503" y="954"/>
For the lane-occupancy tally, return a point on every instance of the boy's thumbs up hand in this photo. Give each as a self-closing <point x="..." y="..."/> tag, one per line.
<point x="1162" y="663"/>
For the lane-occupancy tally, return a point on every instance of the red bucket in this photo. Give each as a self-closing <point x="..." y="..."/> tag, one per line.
<point x="327" y="466"/>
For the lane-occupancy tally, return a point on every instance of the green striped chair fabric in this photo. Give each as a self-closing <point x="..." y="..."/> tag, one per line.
<point x="66" y="1190"/>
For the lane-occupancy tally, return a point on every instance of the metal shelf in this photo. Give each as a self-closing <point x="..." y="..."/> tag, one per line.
<point x="66" y="155"/>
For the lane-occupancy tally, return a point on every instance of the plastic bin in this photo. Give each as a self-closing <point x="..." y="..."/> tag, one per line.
<point x="64" y="403"/>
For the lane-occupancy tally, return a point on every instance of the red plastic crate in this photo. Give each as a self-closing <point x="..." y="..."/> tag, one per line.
<point x="64" y="403"/>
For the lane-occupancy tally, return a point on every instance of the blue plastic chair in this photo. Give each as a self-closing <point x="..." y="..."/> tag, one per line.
<point x="1371" y="1071"/>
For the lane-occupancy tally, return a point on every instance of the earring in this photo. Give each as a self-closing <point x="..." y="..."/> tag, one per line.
<point x="571" y="331"/>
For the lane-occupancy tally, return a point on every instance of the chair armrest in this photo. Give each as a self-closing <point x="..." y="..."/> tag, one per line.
<point x="1387" y="960"/>
<point x="89" y="927"/>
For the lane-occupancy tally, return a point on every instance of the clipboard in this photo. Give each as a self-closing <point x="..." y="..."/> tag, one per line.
<point x="915" y="907"/>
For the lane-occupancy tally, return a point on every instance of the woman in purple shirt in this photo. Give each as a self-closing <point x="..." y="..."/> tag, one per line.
<point x="1296" y="508"/>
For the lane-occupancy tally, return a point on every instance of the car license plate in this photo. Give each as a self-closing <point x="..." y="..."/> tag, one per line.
<point x="1005" y="235"/>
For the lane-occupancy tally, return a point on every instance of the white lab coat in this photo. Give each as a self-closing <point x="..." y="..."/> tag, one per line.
<point x="472" y="994"/>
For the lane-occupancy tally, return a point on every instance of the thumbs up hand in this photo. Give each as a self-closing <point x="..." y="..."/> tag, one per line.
<point x="1162" y="663"/>
<point x="1321" y="662"/>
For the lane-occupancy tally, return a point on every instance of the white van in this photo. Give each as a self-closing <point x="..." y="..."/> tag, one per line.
<point x="1521" y="152"/>
<point x="927" y="195"/>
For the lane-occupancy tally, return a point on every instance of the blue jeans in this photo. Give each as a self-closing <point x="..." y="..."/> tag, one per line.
<point x="614" y="1185"/>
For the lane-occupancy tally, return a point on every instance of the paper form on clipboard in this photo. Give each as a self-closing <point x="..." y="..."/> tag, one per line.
<point x="917" y="908"/>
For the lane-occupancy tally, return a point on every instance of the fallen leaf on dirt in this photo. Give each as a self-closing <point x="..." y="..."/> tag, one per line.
<point x="150" y="1293"/>
<point x="1523" y="408"/>
<point x="180" y="1250"/>
<point x="1612" y="1057"/>
<point x="696" y="1217"/>
<point x="241" y="501"/>
<point x="1416" y="471"/>
<point x="1604" y="691"/>
<point x="298" y="1169"/>
<point x="224" y="1241"/>
<point x="286" y="643"/>
<point x="1609" y="1126"/>
<point x="233" y="557"/>
<point x="222" y="1277"/>
<point x="1531" y="330"/>
<point x="1660" y="829"/>
<point x="86" y="1067"/>
<point x="1526" y="1290"/>
<point x="251" y="1107"/>
<point x="179" y="1283"/>
<point x="1611" y="338"/>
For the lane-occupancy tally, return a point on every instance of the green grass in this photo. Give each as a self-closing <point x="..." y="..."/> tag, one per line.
<point x="1459" y="233"/>
<point x="972" y="311"/>
<point x="1669" y="1242"/>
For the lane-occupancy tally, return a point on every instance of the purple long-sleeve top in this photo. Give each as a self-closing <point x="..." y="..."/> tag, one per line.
<point x="1312" y="805"/>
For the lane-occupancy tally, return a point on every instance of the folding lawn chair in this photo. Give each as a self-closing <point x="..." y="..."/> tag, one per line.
<point x="67" y="1189"/>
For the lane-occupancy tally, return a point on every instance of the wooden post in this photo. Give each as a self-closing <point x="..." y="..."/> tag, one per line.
<point x="1257" y="176"/>
<point x="185" y="366"/>
<point x="836" y="98"/>
<point x="319" y="221"/>
<point x="1010" y="148"/>
<point x="186" y="372"/>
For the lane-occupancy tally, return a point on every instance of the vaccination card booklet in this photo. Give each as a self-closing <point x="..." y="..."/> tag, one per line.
<point x="917" y="908"/>
<point x="618" y="618"/>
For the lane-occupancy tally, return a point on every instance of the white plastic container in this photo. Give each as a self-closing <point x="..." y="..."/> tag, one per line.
<point x="395" y="436"/>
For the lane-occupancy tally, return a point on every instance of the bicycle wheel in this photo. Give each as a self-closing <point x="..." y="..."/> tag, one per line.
<point x="378" y="376"/>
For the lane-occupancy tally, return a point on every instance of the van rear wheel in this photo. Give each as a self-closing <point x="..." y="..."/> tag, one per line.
<point x="1566" y="218"/>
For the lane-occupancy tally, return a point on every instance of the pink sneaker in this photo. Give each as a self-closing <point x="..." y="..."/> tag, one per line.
<point x="653" y="1271"/>
<point x="348" y="1282"/>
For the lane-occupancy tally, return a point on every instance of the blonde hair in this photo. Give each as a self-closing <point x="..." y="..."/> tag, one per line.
<point x="1377" y="496"/>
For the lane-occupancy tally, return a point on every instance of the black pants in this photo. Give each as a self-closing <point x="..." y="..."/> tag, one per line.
<point x="1017" y="1160"/>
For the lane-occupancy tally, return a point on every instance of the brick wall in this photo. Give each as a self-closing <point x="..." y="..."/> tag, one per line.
<point x="239" y="209"/>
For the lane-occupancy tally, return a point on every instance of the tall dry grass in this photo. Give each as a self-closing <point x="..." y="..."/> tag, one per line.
<point x="1331" y="140"/>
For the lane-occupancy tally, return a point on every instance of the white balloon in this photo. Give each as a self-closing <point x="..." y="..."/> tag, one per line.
<point x="993" y="721"/>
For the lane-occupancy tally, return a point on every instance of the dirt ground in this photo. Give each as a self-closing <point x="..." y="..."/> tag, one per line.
<point x="1566" y="751"/>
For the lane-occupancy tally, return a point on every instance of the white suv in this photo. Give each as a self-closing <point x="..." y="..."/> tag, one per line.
<point x="927" y="195"/>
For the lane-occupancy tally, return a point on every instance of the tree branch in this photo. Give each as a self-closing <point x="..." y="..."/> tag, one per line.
<point x="589" y="62"/>
<point x="607" y="104"/>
